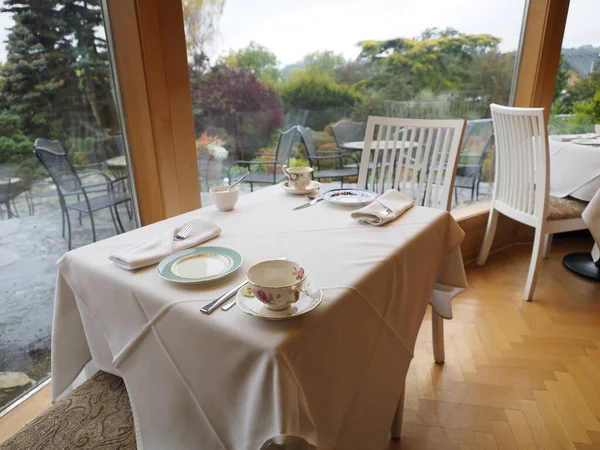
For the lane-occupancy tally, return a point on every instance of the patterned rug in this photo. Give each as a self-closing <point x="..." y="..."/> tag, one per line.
<point x="97" y="415"/>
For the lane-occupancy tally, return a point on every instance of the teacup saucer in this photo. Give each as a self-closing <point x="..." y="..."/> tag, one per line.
<point x="312" y="187"/>
<point x="310" y="298"/>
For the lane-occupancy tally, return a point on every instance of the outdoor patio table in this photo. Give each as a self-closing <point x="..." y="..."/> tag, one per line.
<point x="231" y="381"/>
<point x="118" y="162"/>
<point x="574" y="169"/>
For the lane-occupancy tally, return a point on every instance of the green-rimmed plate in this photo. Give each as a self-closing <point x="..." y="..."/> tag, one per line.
<point x="198" y="265"/>
<point x="594" y="142"/>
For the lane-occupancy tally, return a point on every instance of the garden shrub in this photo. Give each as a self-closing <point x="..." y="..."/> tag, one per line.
<point x="326" y="100"/>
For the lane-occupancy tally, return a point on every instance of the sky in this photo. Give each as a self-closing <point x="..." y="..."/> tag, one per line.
<point x="292" y="28"/>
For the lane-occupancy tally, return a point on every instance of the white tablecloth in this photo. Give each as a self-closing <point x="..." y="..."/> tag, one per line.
<point x="230" y="380"/>
<point x="574" y="169"/>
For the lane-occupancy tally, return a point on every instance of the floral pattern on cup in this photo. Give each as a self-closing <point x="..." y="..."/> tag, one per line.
<point x="263" y="296"/>
<point x="299" y="273"/>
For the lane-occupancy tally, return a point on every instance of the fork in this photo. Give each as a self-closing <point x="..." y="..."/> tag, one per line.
<point x="387" y="211"/>
<point x="185" y="232"/>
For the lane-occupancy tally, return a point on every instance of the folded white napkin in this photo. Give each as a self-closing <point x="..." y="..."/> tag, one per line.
<point x="377" y="213"/>
<point x="155" y="250"/>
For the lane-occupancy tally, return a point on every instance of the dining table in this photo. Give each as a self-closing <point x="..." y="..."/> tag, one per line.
<point x="574" y="167"/>
<point x="229" y="380"/>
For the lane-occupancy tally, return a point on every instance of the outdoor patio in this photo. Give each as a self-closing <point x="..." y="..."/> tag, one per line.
<point x="29" y="249"/>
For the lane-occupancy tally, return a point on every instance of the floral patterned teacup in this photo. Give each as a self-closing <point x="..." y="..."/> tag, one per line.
<point x="299" y="176"/>
<point x="276" y="283"/>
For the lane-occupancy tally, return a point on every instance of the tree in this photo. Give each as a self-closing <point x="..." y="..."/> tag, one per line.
<point x="39" y="80"/>
<point x="235" y="100"/>
<point x="324" y="98"/>
<point x="255" y="59"/>
<point x="324" y="62"/>
<point x="562" y="79"/>
<point x="585" y="88"/>
<point x="492" y="76"/>
<point x="437" y="61"/>
<point x="200" y="20"/>
<point x="91" y="63"/>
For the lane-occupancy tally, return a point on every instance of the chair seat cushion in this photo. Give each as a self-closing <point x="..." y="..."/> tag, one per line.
<point x="96" y="415"/>
<point x="565" y="208"/>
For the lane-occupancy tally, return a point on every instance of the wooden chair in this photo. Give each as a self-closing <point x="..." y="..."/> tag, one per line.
<point x="417" y="157"/>
<point x="522" y="185"/>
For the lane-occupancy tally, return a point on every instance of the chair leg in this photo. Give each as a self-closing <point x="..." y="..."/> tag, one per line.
<point x="78" y="199"/>
<point x="68" y="220"/>
<point x="548" y="245"/>
<point x="437" y="331"/>
<point x="15" y="208"/>
<point x="477" y="190"/>
<point x="455" y="195"/>
<point x="62" y="215"/>
<point x="534" y="265"/>
<point x="93" y="226"/>
<point x="397" y="423"/>
<point x="119" y="220"/>
<point x="489" y="237"/>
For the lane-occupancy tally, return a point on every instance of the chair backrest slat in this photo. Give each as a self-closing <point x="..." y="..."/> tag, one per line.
<point x="417" y="157"/>
<point x="521" y="159"/>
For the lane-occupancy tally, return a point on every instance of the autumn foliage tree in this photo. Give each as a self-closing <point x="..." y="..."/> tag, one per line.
<point x="235" y="100"/>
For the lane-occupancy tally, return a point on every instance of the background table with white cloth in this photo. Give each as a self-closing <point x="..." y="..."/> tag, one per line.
<point x="574" y="168"/>
<point x="231" y="381"/>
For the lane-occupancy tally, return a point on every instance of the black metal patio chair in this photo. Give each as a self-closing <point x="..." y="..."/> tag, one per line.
<point x="286" y="142"/>
<point x="68" y="185"/>
<point x="470" y="166"/>
<point x="346" y="131"/>
<point x="344" y="165"/>
<point x="6" y="192"/>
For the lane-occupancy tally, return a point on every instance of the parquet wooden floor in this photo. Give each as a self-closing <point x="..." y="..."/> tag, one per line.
<point x="517" y="375"/>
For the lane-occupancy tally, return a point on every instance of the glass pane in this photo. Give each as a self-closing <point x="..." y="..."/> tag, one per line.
<point x="257" y="71"/>
<point x="575" y="113"/>
<point x="57" y="97"/>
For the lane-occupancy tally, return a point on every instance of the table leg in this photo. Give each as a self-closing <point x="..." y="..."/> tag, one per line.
<point x="437" y="329"/>
<point x="397" y="423"/>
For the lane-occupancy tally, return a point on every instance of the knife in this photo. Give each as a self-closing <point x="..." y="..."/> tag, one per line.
<point x="311" y="203"/>
<point x="207" y="309"/>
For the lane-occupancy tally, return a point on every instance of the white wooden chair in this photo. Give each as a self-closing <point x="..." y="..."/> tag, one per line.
<point x="522" y="185"/>
<point x="415" y="156"/>
<point x="419" y="158"/>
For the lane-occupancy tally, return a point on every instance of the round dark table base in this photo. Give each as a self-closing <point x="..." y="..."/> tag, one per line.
<point x="582" y="264"/>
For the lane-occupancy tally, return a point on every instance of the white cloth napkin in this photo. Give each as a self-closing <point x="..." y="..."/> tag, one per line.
<point x="155" y="250"/>
<point x="375" y="213"/>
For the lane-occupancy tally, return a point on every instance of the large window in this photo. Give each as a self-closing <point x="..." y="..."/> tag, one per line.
<point x="574" y="124"/>
<point x="256" y="71"/>
<point x="55" y="91"/>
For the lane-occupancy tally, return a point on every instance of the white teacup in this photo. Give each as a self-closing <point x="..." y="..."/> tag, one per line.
<point x="299" y="176"/>
<point x="223" y="198"/>
<point x="276" y="283"/>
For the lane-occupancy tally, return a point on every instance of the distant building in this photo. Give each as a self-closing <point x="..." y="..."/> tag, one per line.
<point x="582" y="60"/>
